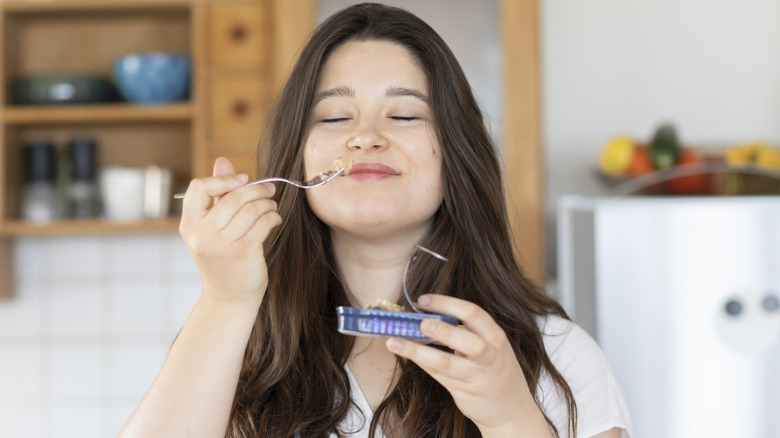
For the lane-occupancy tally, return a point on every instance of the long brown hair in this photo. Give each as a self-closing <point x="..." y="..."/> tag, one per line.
<point x="293" y="379"/>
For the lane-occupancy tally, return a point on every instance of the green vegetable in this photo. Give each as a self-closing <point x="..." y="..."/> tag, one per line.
<point x="665" y="147"/>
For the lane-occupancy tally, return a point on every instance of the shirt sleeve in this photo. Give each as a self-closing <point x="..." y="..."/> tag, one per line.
<point x="601" y="405"/>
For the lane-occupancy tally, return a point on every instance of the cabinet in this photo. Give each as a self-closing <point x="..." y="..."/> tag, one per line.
<point x="84" y="38"/>
<point x="238" y="48"/>
<point x="231" y="90"/>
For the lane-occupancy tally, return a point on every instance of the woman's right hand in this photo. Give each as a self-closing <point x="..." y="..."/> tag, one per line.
<point x="224" y="224"/>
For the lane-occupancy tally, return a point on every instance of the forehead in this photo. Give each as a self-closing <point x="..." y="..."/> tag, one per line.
<point x="373" y="62"/>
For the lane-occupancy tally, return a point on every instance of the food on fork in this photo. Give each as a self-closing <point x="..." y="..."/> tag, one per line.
<point x="383" y="303"/>
<point x="343" y="166"/>
<point x="344" y="163"/>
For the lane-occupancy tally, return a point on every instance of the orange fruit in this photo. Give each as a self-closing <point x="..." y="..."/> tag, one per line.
<point x="640" y="163"/>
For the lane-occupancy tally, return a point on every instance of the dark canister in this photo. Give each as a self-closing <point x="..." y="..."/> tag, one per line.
<point x="83" y="194"/>
<point x="41" y="202"/>
<point x="40" y="159"/>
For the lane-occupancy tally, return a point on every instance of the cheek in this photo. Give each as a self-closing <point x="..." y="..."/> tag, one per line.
<point x="433" y="140"/>
<point x="325" y="203"/>
<point x="313" y="200"/>
<point x="430" y="186"/>
<point x="317" y="158"/>
<point x="436" y="195"/>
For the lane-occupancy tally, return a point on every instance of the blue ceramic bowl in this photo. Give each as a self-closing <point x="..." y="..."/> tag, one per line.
<point x="150" y="78"/>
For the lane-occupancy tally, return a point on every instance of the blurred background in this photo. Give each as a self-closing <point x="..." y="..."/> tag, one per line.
<point x="115" y="100"/>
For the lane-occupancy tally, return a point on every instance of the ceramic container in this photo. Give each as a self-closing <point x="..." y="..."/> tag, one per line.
<point x="152" y="78"/>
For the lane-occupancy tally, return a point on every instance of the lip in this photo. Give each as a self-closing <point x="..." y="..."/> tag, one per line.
<point x="372" y="171"/>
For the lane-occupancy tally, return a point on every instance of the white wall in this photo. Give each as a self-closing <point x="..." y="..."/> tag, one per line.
<point x="622" y="66"/>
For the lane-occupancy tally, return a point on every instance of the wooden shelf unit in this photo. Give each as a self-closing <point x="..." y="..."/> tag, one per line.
<point x="234" y="44"/>
<point x="85" y="37"/>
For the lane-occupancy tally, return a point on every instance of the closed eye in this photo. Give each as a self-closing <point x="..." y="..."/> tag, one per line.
<point x="334" y="119"/>
<point x="404" y="118"/>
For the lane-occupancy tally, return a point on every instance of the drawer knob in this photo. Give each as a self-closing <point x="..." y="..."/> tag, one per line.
<point x="240" y="108"/>
<point x="238" y="33"/>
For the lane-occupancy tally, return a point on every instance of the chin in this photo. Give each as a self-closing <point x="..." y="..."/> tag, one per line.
<point x="372" y="216"/>
<point x="385" y="227"/>
<point x="374" y="221"/>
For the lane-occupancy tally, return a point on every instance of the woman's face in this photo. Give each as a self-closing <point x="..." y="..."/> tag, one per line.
<point x="372" y="107"/>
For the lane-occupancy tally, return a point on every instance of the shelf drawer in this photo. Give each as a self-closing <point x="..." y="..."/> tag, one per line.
<point x="239" y="36"/>
<point x="238" y="108"/>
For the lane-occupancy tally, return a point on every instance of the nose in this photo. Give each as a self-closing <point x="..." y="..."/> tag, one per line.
<point x="367" y="137"/>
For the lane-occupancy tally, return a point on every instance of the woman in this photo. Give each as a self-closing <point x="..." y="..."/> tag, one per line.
<point x="260" y="354"/>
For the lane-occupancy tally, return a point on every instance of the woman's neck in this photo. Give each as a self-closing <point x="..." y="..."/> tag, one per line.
<point x="372" y="269"/>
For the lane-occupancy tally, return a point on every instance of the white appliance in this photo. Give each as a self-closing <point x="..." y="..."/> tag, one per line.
<point x="683" y="295"/>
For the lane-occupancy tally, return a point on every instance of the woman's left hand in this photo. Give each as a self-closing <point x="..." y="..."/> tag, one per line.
<point x="482" y="375"/>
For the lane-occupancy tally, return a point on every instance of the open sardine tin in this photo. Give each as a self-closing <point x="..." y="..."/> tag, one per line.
<point x="358" y="321"/>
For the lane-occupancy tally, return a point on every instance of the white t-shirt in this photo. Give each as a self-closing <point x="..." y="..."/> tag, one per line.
<point x="600" y="403"/>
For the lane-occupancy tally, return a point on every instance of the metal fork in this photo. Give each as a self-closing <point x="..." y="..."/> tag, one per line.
<point x="406" y="272"/>
<point x="314" y="182"/>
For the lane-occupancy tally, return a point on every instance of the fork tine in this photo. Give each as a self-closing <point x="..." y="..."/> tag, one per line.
<point x="323" y="178"/>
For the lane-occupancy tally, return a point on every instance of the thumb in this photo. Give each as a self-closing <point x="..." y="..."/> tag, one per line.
<point x="223" y="166"/>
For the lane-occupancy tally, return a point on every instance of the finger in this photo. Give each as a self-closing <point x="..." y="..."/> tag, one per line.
<point x="222" y="167"/>
<point x="460" y="339"/>
<point x="246" y="217"/>
<point x="472" y="316"/>
<point x="230" y="204"/>
<point x="201" y="192"/>
<point x="262" y="227"/>
<point x="441" y="365"/>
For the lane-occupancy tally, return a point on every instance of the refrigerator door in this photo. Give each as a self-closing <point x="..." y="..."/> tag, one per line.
<point x="686" y="297"/>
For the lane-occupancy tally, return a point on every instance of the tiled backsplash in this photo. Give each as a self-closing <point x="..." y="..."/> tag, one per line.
<point x="87" y="330"/>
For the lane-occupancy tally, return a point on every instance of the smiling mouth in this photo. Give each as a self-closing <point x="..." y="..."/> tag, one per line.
<point x="377" y="169"/>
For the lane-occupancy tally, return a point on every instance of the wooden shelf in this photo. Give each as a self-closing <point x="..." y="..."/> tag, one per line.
<point x="18" y="228"/>
<point x="89" y="5"/>
<point x="101" y="113"/>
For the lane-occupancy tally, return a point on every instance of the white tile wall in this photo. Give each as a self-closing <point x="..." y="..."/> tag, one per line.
<point x="20" y="371"/>
<point x="87" y="330"/>
<point x="72" y="308"/>
<point x="20" y="421"/>
<point x="21" y="317"/>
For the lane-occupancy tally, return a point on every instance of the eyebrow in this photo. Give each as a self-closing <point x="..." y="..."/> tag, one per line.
<point x="350" y="92"/>
<point x="334" y="92"/>
<point x="398" y="91"/>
